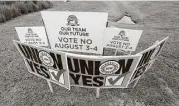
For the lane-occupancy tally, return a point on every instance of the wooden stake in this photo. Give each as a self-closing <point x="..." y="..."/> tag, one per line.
<point x="50" y="86"/>
<point x="97" y="92"/>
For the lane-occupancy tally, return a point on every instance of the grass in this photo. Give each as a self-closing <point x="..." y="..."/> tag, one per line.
<point x="11" y="9"/>
<point x="19" y="88"/>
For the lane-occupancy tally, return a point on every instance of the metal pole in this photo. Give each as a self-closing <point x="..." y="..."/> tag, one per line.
<point x="97" y="92"/>
<point x="50" y="86"/>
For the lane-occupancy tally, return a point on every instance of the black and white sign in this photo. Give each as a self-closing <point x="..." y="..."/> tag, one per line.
<point x="32" y="35"/>
<point x="148" y="57"/>
<point x="75" y="31"/>
<point x="45" y="63"/>
<point x="101" y="71"/>
<point x="123" y="39"/>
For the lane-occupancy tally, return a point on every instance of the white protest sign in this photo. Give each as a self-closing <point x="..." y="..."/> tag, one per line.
<point x="32" y="35"/>
<point x="147" y="59"/>
<point x="45" y="63"/>
<point x="101" y="71"/>
<point x="75" y="31"/>
<point x="123" y="39"/>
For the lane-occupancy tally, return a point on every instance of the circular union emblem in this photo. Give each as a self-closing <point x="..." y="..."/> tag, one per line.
<point x="46" y="58"/>
<point x="109" y="67"/>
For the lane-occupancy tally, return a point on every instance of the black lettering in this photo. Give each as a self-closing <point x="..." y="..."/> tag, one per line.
<point x="86" y="80"/>
<point x="140" y="71"/>
<point x="97" y="63"/>
<point x="30" y="65"/>
<point x="44" y="72"/>
<point x="57" y="61"/>
<point x="39" y="71"/>
<point x="76" y="65"/>
<point x="98" y="81"/>
<point x="124" y="67"/>
<point x="145" y="57"/>
<point x="84" y="67"/>
<point x="75" y="78"/>
<point x="33" y="54"/>
<point x="23" y="51"/>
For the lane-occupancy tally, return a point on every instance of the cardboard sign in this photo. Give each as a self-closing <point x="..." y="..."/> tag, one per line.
<point x="45" y="63"/>
<point x="75" y="31"/>
<point x="148" y="57"/>
<point x="32" y="35"/>
<point x="123" y="39"/>
<point x="101" y="71"/>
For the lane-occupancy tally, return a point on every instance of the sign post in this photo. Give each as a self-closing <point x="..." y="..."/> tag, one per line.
<point x="50" y="86"/>
<point x="97" y="92"/>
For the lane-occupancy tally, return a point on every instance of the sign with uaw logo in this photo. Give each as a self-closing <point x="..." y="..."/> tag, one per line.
<point x="66" y="69"/>
<point x="45" y="63"/>
<point x="148" y="57"/>
<point x="123" y="39"/>
<point x="75" y="31"/>
<point x="101" y="71"/>
<point x="32" y="35"/>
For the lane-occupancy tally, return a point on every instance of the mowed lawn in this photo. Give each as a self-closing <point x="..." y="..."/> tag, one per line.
<point x="158" y="87"/>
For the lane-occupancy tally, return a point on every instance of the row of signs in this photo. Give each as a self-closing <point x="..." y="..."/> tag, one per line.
<point x="79" y="32"/>
<point x="83" y="32"/>
<point x="66" y="69"/>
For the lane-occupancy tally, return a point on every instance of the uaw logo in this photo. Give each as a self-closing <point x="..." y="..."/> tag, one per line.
<point x="72" y="20"/>
<point x="46" y="58"/>
<point x="121" y="36"/>
<point x="109" y="67"/>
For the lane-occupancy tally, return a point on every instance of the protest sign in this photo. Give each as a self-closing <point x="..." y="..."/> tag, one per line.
<point x="45" y="63"/>
<point x="32" y="35"/>
<point x="123" y="39"/>
<point x="101" y="71"/>
<point x="147" y="59"/>
<point x="75" y="31"/>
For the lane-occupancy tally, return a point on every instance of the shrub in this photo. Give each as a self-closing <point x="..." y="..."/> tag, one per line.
<point x="14" y="11"/>
<point x="39" y="4"/>
<point x="10" y="9"/>
<point x="5" y="10"/>
<point x="2" y="18"/>
<point x="50" y="4"/>
<point x="35" y="7"/>
<point x="30" y="6"/>
<point x="7" y="2"/>
<point x="21" y="7"/>
<point x="45" y="5"/>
